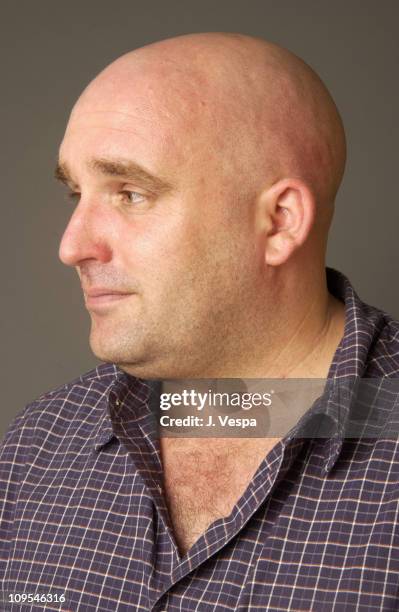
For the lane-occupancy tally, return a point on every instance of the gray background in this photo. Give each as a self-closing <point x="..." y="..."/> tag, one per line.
<point x="51" y="49"/>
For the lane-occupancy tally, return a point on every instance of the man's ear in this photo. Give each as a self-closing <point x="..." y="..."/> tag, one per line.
<point x="285" y="216"/>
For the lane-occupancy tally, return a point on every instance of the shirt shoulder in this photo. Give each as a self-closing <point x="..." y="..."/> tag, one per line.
<point x="60" y="422"/>
<point x="383" y="356"/>
<point x="370" y="344"/>
<point x="73" y="406"/>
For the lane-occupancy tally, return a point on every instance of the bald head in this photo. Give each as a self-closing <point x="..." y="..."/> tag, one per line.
<point x="206" y="168"/>
<point x="254" y="108"/>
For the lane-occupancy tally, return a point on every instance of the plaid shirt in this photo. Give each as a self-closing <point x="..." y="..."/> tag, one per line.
<point x="82" y="514"/>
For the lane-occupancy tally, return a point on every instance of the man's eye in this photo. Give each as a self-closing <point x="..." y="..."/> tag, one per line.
<point x="133" y="197"/>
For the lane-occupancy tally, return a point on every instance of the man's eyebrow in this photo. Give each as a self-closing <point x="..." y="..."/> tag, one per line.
<point x="131" y="171"/>
<point x="128" y="170"/>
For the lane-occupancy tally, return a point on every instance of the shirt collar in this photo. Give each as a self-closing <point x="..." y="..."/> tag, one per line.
<point x="125" y="392"/>
<point x="350" y="362"/>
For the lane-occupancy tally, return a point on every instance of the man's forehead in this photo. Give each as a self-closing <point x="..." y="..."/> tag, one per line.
<point x="153" y="112"/>
<point x="134" y="120"/>
<point x="142" y="95"/>
<point x="145" y="119"/>
<point x="115" y="134"/>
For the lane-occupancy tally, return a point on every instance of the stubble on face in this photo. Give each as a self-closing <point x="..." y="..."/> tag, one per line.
<point x="179" y="320"/>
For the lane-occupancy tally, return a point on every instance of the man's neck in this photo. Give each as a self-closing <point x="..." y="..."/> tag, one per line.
<point x="313" y="359"/>
<point x="300" y="348"/>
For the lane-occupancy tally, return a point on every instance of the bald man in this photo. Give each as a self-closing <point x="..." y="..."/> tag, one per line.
<point x="203" y="171"/>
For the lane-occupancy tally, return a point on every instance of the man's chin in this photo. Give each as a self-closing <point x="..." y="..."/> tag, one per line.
<point x="119" y="354"/>
<point x="139" y="366"/>
<point x="106" y="351"/>
<point x="136" y="357"/>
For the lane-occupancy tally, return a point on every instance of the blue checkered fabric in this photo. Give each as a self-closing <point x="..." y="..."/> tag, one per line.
<point x="83" y="516"/>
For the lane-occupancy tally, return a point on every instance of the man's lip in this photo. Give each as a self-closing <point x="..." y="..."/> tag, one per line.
<point x="100" y="299"/>
<point x="93" y="293"/>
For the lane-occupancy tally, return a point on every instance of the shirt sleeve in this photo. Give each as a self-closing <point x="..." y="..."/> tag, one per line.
<point x="13" y="452"/>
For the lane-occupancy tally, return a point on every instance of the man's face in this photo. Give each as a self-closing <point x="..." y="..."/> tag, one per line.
<point x="158" y="217"/>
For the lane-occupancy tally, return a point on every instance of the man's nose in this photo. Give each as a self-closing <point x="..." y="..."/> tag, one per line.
<point x="85" y="236"/>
